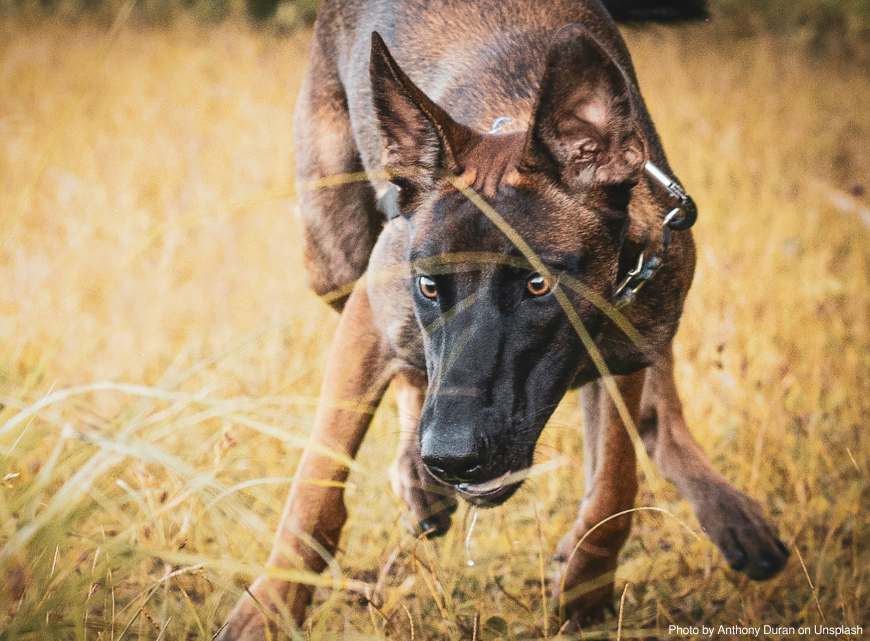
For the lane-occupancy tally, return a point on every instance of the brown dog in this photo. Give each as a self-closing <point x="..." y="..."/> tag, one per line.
<point x="492" y="286"/>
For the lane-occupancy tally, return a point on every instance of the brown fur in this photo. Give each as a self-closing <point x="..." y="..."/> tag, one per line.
<point x="566" y="148"/>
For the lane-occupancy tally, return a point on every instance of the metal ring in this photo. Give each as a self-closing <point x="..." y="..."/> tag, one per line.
<point x="671" y="216"/>
<point x="689" y="215"/>
<point x="500" y="123"/>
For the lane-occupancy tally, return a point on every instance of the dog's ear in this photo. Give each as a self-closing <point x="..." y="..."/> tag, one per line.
<point x="584" y="126"/>
<point x="421" y="140"/>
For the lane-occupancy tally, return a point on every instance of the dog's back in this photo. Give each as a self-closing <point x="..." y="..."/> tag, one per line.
<point x="482" y="59"/>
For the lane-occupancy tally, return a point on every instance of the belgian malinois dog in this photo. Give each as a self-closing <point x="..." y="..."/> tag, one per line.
<point x="486" y="266"/>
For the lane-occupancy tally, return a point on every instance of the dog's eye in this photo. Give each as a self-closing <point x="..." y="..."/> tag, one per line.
<point x="538" y="285"/>
<point x="427" y="287"/>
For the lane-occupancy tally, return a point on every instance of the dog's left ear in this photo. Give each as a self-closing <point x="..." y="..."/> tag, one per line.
<point x="584" y="126"/>
<point x="421" y="140"/>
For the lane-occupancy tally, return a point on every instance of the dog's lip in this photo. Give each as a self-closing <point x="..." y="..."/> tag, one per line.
<point x="487" y="488"/>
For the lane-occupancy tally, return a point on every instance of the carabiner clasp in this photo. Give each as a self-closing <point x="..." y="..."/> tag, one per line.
<point x="686" y="213"/>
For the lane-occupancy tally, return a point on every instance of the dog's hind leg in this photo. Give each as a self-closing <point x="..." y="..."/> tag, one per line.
<point x="357" y="375"/>
<point x="587" y="554"/>
<point x="735" y="522"/>
<point x="430" y="502"/>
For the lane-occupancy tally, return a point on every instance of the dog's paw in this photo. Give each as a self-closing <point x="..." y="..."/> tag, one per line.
<point x="256" y="612"/>
<point x="591" y="610"/>
<point x="582" y="586"/>
<point x="431" y="503"/>
<point x="738" y="527"/>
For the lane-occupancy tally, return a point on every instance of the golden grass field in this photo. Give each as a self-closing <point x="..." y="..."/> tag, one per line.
<point x="160" y="356"/>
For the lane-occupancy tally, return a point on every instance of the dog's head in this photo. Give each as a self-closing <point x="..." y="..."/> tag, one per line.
<point x="501" y="351"/>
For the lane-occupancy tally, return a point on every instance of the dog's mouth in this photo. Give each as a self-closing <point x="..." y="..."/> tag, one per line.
<point x="491" y="493"/>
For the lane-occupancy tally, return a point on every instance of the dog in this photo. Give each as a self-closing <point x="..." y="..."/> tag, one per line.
<point x="490" y="261"/>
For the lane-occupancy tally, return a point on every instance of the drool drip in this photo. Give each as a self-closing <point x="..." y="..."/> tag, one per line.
<point x="469" y="561"/>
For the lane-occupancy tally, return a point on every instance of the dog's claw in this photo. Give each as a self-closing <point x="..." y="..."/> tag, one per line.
<point x="435" y="526"/>
<point x="428" y="526"/>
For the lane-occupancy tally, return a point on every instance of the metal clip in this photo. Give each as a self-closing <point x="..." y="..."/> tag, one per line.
<point x="686" y="213"/>
<point x="623" y="287"/>
<point x="636" y="278"/>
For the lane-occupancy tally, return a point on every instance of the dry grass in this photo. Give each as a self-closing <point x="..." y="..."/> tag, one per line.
<point x="161" y="356"/>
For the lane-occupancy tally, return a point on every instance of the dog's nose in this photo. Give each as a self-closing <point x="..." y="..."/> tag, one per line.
<point x="454" y="458"/>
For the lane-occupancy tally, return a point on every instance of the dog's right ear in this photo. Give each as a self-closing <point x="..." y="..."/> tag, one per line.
<point x="421" y="141"/>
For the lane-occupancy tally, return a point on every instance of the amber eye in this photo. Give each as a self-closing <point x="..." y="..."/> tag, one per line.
<point x="538" y="285"/>
<point x="427" y="287"/>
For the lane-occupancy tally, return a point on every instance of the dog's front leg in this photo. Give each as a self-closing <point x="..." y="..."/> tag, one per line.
<point x="357" y="374"/>
<point x="735" y="522"/>
<point x="587" y="554"/>
<point x="430" y="501"/>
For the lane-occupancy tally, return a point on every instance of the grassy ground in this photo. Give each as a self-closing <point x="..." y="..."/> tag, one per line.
<point x="160" y="356"/>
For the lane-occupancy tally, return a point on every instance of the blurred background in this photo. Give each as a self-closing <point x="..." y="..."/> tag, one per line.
<point x="160" y="355"/>
<point x="822" y="26"/>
